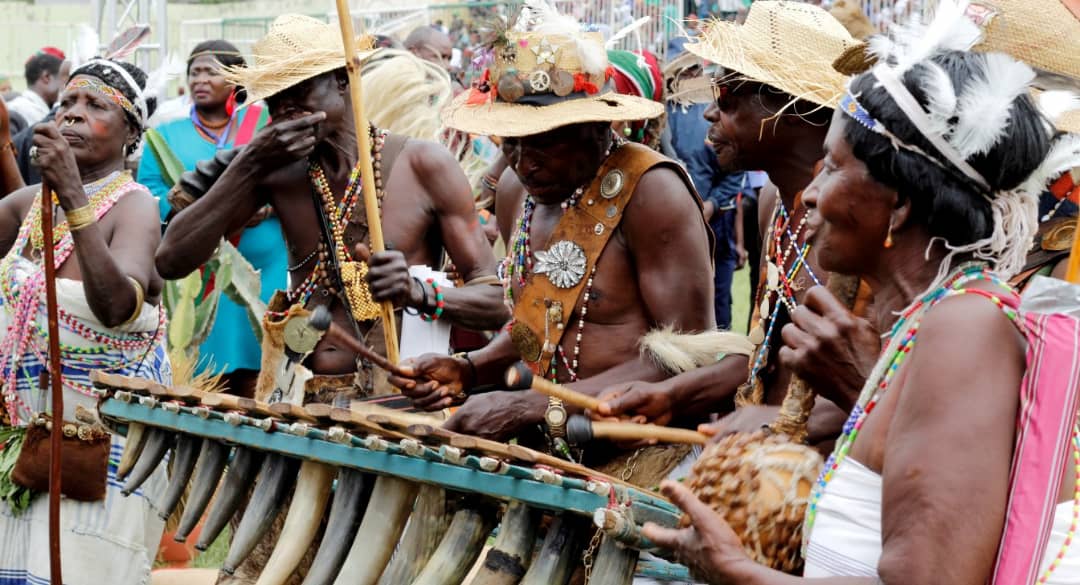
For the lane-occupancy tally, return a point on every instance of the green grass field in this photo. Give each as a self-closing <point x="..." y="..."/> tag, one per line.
<point x="740" y="300"/>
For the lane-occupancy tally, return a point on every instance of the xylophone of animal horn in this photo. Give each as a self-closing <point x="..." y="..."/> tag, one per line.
<point x="396" y="498"/>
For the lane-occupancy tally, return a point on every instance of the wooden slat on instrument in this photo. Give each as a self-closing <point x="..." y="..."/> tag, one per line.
<point x="359" y="421"/>
<point x="183" y="393"/>
<point x="119" y="382"/>
<point x="507" y="451"/>
<point x="221" y="401"/>
<point x="286" y="410"/>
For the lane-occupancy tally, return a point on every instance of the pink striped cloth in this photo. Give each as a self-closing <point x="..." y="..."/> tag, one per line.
<point x="1049" y="395"/>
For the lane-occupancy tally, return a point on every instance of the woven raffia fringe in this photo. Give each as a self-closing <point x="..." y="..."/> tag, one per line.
<point x="760" y="483"/>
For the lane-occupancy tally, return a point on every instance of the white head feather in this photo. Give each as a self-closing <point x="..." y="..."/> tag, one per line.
<point x="157" y="80"/>
<point x="986" y="102"/>
<point x="940" y="97"/>
<point x="84" y="47"/>
<point x="1057" y="102"/>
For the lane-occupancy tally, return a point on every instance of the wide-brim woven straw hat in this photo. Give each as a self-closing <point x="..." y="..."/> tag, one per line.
<point x="1042" y="33"/>
<point x="512" y="120"/>
<point x="295" y="49"/>
<point x="790" y="46"/>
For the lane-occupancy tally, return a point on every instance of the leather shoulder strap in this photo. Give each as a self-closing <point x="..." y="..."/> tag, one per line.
<point x="544" y="306"/>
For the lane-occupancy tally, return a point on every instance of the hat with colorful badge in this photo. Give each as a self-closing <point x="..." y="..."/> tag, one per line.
<point x="543" y="73"/>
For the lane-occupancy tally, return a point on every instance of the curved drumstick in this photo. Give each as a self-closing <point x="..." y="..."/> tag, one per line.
<point x="520" y="377"/>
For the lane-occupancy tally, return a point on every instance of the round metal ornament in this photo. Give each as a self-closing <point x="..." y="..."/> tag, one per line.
<point x="563" y="264"/>
<point x="612" y="184"/>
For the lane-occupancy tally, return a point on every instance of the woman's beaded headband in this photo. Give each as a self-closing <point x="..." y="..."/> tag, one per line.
<point x="850" y="105"/>
<point x="139" y="112"/>
<point x="93" y="84"/>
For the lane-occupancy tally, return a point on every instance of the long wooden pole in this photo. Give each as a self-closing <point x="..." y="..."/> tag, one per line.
<point x="57" y="391"/>
<point x="367" y="177"/>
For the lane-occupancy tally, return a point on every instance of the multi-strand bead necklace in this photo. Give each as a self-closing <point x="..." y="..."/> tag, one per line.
<point x="110" y="188"/>
<point x="339" y="214"/>
<point x="782" y="291"/>
<point x="22" y="299"/>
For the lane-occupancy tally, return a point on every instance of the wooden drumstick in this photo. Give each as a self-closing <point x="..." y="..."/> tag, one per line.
<point x="520" y="377"/>
<point x="581" y="430"/>
<point x="320" y="319"/>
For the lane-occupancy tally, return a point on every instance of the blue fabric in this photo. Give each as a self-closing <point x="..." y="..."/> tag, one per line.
<point x="231" y="344"/>
<point x="723" y="226"/>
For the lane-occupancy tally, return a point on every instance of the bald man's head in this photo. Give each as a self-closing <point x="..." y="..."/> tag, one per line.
<point x="431" y="45"/>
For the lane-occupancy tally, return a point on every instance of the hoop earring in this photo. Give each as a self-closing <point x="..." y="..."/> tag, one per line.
<point x="888" y="238"/>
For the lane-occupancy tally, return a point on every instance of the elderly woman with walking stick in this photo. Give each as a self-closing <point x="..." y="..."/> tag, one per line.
<point x="106" y="233"/>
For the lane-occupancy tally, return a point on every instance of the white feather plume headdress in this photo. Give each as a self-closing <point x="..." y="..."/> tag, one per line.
<point x="969" y="120"/>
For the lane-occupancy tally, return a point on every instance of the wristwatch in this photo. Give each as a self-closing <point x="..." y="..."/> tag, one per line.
<point x="555" y="417"/>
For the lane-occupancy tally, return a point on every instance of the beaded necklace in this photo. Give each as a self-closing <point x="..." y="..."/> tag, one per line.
<point x="114" y="185"/>
<point x="210" y="130"/>
<point x="894" y="354"/>
<point x="779" y="288"/>
<point x="339" y="214"/>
<point x="518" y="261"/>
<point x="22" y="300"/>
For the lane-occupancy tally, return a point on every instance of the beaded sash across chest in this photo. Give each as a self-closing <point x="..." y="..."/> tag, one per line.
<point x="783" y="265"/>
<point x="339" y="214"/>
<point x="22" y="299"/>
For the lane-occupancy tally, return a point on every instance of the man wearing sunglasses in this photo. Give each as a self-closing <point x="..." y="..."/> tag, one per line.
<point x="772" y="103"/>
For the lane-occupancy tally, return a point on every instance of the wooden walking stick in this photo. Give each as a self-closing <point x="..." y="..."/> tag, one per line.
<point x="367" y="178"/>
<point x="55" y="387"/>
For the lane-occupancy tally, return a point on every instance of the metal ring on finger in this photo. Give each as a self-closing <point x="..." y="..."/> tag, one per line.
<point x="34" y="155"/>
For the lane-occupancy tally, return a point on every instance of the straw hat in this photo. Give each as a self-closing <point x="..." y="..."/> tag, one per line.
<point x="296" y="48"/>
<point x="790" y="46"/>
<point x="539" y="81"/>
<point x="1042" y="33"/>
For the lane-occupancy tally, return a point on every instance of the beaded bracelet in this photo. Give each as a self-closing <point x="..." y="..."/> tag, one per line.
<point x="439" y="304"/>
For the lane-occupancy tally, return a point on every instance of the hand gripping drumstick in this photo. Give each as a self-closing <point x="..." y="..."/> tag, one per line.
<point x="581" y="430"/>
<point x="520" y="377"/>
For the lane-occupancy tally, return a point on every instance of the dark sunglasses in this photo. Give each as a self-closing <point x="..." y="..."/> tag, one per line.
<point x="725" y="92"/>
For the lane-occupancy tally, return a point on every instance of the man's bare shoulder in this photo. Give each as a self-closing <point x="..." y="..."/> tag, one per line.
<point x="434" y="168"/>
<point x="662" y="198"/>
<point x="426" y="156"/>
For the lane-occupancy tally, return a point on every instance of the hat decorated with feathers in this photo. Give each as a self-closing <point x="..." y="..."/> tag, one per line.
<point x="544" y="72"/>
